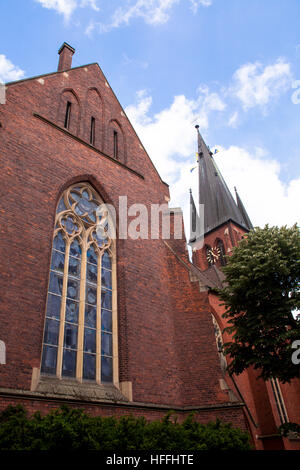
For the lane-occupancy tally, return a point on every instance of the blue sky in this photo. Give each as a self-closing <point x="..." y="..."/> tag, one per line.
<point x="232" y="66"/>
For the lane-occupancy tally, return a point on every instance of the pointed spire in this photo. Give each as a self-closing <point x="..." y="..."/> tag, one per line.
<point x="219" y="205"/>
<point x="243" y="211"/>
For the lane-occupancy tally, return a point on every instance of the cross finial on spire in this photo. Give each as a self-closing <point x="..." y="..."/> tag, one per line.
<point x="200" y="148"/>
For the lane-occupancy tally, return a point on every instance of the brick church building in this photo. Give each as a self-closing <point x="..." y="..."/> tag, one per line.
<point x="113" y="325"/>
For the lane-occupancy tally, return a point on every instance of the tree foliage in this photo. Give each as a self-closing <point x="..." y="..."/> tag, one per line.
<point x="262" y="292"/>
<point x="73" y="429"/>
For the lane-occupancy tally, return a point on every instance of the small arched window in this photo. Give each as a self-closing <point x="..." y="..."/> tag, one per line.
<point x="80" y="326"/>
<point x="93" y="122"/>
<point x="221" y="252"/>
<point x="116" y="141"/>
<point x="69" y="111"/>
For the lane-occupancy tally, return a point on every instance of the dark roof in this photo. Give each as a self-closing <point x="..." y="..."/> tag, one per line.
<point x="243" y="210"/>
<point x="219" y="205"/>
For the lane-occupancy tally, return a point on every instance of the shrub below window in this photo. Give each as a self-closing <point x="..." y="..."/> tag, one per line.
<point x="73" y="429"/>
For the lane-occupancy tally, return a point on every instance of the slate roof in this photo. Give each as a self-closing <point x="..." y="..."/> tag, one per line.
<point x="219" y="204"/>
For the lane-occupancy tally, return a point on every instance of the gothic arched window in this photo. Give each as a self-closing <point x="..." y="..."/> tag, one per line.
<point x="221" y="252"/>
<point x="219" y="341"/>
<point x="80" y="327"/>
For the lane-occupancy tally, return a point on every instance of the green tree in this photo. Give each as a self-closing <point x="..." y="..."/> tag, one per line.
<point x="262" y="295"/>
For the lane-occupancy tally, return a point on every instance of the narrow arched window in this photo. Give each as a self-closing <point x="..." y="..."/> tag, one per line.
<point x="116" y="142"/>
<point x="81" y="320"/>
<point x="92" y="131"/>
<point x="115" y="145"/>
<point x="221" y="252"/>
<point x="68" y="114"/>
<point x="219" y="341"/>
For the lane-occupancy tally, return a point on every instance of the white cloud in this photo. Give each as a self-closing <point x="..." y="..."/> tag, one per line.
<point x="196" y="3"/>
<point x="64" y="7"/>
<point x="266" y="197"/>
<point x="256" y="85"/>
<point x="233" y="120"/>
<point x="67" y="7"/>
<point x="171" y="132"/>
<point x="134" y="62"/>
<point x="90" y="28"/>
<point x="90" y="3"/>
<point x="8" y="71"/>
<point x="153" y="12"/>
<point x="170" y="139"/>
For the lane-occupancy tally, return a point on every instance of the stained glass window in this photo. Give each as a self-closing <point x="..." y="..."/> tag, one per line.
<point x="80" y="319"/>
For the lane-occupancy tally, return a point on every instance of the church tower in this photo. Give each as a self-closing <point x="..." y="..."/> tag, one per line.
<point x="224" y="221"/>
<point x="219" y="226"/>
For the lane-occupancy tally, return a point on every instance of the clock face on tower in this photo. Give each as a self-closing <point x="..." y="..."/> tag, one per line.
<point x="213" y="254"/>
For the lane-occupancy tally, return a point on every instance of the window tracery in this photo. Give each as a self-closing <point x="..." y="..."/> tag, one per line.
<point x="80" y="327"/>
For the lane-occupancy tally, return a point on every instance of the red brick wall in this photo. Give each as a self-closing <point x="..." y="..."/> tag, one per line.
<point x="235" y="416"/>
<point x="166" y="343"/>
<point x="37" y="163"/>
<point x="229" y="233"/>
